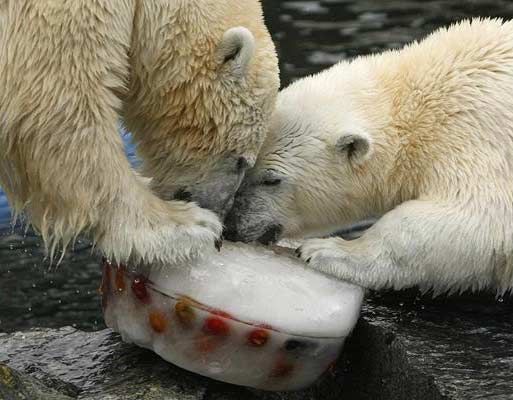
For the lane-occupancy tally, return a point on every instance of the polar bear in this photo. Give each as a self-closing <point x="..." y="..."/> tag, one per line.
<point x="421" y="136"/>
<point x="194" y="81"/>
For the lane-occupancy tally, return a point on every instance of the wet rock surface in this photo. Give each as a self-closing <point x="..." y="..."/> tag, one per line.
<point x="15" y="385"/>
<point x="410" y="346"/>
<point x="403" y="347"/>
<point x="98" y="365"/>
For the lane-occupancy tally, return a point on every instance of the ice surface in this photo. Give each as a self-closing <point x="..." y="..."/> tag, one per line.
<point x="246" y="316"/>
<point x="257" y="285"/>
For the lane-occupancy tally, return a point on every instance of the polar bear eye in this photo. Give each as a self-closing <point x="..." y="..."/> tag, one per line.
<point x="271" y="182"/>
<point x="242" y="164"/>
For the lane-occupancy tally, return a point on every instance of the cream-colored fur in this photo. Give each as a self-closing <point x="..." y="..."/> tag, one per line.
<point x="194" y="81"/>
<point x="422" y="136"/>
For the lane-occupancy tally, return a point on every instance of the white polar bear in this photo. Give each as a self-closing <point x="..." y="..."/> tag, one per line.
<point x="422" y="136"/>
<point x="194" y="81"/>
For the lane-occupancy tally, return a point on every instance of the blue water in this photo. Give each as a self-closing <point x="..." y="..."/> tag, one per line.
<point x="5" y="214"/>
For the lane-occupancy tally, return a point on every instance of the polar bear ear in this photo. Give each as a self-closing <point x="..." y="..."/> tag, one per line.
<point x="356" y="145"/>
<point x="236" y="49"/>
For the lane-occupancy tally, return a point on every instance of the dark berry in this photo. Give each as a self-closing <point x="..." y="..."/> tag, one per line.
<point x="140" y="290"/>
<point x="294" y="345"/>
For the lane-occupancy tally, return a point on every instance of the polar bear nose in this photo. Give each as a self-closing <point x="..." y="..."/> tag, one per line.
<point x="271" y="235"/>
<point x="231" y="232"/>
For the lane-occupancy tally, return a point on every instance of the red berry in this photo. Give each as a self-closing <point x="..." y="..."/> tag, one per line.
<point x="216" y="326"/>
<point x="158" y="321"/>
<point x="282" y="369"/>
<point x="258" y="337"/>
<point x="139" y="289"/>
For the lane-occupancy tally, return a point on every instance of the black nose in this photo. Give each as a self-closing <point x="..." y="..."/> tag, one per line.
<point x="271" y="235"/>
<point x="230" y="228"/>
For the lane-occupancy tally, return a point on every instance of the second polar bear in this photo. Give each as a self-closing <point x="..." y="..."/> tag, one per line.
<point x="422" y="136"/>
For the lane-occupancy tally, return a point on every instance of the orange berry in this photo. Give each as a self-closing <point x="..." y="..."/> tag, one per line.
<point x="157" y="321"/>
<point x="185" y="313"/>
<point x="258" y="337"/>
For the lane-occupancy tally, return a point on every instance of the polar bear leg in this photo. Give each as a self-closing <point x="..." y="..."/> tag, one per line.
<point x="62" y="157"/>
<point x="431" y="244"/>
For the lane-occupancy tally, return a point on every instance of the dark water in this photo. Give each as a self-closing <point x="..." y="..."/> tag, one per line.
<point x="310" y="35"/>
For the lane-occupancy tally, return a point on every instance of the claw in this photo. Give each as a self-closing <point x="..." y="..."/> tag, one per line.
<point x="308" y="260"/>
<point x="298" y="252"/>
<point x="218" y="243"/>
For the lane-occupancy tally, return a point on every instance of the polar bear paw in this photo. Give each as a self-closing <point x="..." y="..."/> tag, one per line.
<point x="333" y="257"/>
<point x="182" y="233"/>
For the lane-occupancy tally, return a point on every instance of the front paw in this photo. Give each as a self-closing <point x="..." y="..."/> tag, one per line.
<point x="199" y="236"/>
<point x="315" y="249"/>
<point x="328" y="256"/>
<point x="170" y="235"/>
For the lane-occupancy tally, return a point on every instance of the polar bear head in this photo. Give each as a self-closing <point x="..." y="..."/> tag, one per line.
<point x="214" y="79"/>
<point x="323" y="163"/>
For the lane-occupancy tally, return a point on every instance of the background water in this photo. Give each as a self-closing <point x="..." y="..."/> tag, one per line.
<point x="310" y="35"/>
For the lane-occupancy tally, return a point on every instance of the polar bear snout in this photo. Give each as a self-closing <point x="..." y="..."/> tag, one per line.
<point x="264" y="234"/>
<point x="250" y="220"/>
<point x="271" y="235"/>
<point x="211" y="185"/>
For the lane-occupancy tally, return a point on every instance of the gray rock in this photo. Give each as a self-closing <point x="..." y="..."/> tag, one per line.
<point x="99" y="366"/>
<point x="18" y="386"/>
<point x="400" y="350"/>
<point x="408" y="346"/>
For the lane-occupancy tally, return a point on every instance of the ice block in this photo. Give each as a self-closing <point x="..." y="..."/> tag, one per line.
<point x="248" y="315"/>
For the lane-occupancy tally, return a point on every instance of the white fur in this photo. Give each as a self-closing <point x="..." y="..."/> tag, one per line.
<point x="77" y="68"/>
<point x="439" y="115"/>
